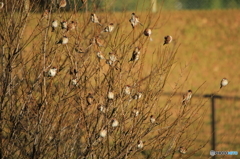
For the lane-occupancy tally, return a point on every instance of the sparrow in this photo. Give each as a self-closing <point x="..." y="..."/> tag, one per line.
<point x="74" y="81"/>
<point x="167" y="39"/>
<point x="148" y="32"/>
<point x="109" y="62"/>
<point x="63" y="40"/>
<point x="110" y="95"/>
<point x="182" y="150"/>
<point x="103" y="133"/>
<point x="45" y="14"/>
<point x="135" y="54"/>
<point x="52" y="72"/>
<point x="187" y="97"/>
<point x="101" y="108"/>
<point x="134" y="20"/>
<point x="62" y="3"/>
<point x="71" y="26"/>
<point x="112" y="57"/>
<point x="135" y="112"/>
<point x="89" y="99"/>
<point x="54" y="25"/>
<point x="114" y="123"/>
<point x="99" y="41"/>
<point x="127" y="90"/>
<point x="109" y="28"/>
<point x="138" y="95"/>
<point x="140" y="144"/>
<point x="94" y="19"/>
<point x="64" y="24"/>
<point x="100" y="55"/>
<point x="152" y="119"/>
<point x="223" y="83"/>
<point x="1" y="5"/>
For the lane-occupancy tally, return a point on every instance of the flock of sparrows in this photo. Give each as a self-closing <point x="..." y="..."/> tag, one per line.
<point x="134" y="21"/>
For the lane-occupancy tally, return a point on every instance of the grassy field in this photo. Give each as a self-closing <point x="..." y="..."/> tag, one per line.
<point x="207" y="50"/>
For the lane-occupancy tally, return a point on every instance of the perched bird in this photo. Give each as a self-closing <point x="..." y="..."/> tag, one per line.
<point x="64" y="24"/>
<point x="89" y="99"/>
<point x="62" y="4"/>
<point x="99" y="41"/>
<point x="109" y="62"/>
<point x="127" y="90"/>
<point x="54" y="25"/>
<point x="167" y="39"/>
<point x="148" y="32"/>
<point x="63" y="40"/>
<point x="134" y="20"/>
<point x="140" y="144"/>
<point x="52" y="72"/>
<point x="138" y="95"/>
<point x="71" y="26"/>
<point x="114" y="123"/>
<point x="45" y="14"/>
<point x="74" y="81"/>
<point x="187" y="97"/>
<point x="101" y="108"/>
<point x="109" y="28"/>
<point x="223" y="83"/>
<point x="79" y="49"/>
<point x="135" y="112"/>
<point x="182" y="150"/>
<point x="103" y="133"/>
<point x="152" y="119"/>
<point x="100" y="55"/>
<point x="135" y="54"/>
<point x="1" y="5"/>
<point x="110" y="95"/>
<point x="112" y="57"/>
<point x="94" y="19"/>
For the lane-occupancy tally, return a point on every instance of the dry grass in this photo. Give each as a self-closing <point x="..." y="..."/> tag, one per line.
<point x="46" y="117"/>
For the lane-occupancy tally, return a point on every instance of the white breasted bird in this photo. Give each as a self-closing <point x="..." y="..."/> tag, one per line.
<point x="71" y="26"/>
<point x="127" y="90"/>
<point x="54" y="25"/>
<point x="187" y="97"/>
<point x="62" y="4"/>
<point x="94" y="19"/>
<point x="100" y="55"/>
<point x="114" y="123"/>
<point x="134" y="20"/>
<point x="1" y="5"/>
<point x="101" y="108"/>
<point x="63" y="40"/>
<point x="223" y="83"/>
<point x="110" y="95"/>
<point x="52" y="72"/>
<point x="103" y="133"/>
<point x="64" y="24"/>
<point x="167" y="39"/>
<point x="182" y="150"/>
<point x="148" y="32"/>
<point x="109" y="28"/>
<point x="89" y="99"/>
<point x="135" y="112"/>
<point x="152" y="119"/>
<point x="140" y="144"/>
<point x="135" y="54"/>
<point x="138" y="95"/>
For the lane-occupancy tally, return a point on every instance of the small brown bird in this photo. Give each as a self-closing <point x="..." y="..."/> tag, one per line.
<point x="112" y="57"/>
<point x="63" y="40"/>
<point x="140" y="144"/>
<point x="135" y="54"/>
<point x="54" y="25"/>
<point x="103" y="133"/>
<point x="71" y="26"/>
<point x="148" y="32"/>
<point x="45" y="14"/>
<point x="135" y="112"/>
<point x="89" y="99"/>
<point x="101" y="108"/>
<point x="1" y="5"/>
<point x="182" y="150"/>
<point x="223" y="83"/>
<point x="187" y="97"/>
<point x="110" y="95"/>
<point x="94" y="19"/>
<point x="114" y="123"/>
<point x="100" y="55"/>
<point x="74" y="81"/>
<point x="109" y="28"/>
<point x="52" y="72"/>
<point x="127" y="90"/>
<point x="152" y="119"/>
<point x="138" y="95"/>
<point x="134" y="20"/>
<point x="62" y="4"/>
<point x="64" y="24"/>
<point x="167" y="39"/>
